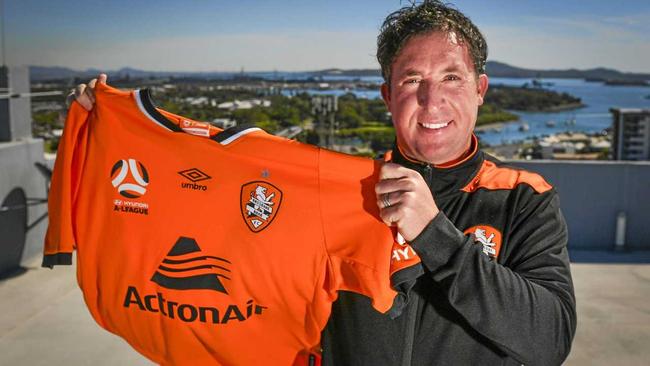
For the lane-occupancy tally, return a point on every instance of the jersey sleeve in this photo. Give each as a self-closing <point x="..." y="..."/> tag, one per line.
<point x="364" y="256"/>
<point x="59" y="239"/>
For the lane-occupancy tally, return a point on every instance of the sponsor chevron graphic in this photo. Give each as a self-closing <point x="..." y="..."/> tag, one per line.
<point x="186" y="268"/>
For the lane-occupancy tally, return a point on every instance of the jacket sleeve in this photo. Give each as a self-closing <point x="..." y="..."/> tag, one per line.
<point x="524" y="302"/>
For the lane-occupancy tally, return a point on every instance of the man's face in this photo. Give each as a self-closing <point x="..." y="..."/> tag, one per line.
<point x="434" y="97"/>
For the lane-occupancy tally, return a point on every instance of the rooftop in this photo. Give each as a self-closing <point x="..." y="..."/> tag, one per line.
<point x="43" y="319"/>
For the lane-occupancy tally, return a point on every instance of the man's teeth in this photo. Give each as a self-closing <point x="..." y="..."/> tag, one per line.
<point x="434" y="126"/>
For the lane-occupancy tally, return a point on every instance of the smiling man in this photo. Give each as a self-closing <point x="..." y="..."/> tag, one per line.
<point x="497" y="288"/>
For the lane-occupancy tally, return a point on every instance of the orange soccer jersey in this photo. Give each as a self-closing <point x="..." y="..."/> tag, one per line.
<point x="202" y="246"/>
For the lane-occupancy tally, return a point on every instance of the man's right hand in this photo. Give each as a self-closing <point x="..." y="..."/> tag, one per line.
<point x="85" y="94"/>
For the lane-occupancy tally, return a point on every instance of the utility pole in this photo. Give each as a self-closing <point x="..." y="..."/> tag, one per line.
<point x="324" y="108"/>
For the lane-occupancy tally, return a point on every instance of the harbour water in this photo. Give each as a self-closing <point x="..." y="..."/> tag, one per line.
<point x="594" y="117"/>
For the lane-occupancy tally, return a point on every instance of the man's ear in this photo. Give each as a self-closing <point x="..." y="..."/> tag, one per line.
<point x="482" y="82"/>
<point x="385" y="95"/>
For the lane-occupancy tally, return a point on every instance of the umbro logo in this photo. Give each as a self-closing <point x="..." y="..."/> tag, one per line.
<point x="194" y="175"/>
<point x="186" y="268"/>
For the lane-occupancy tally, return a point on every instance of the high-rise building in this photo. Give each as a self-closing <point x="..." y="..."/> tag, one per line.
<point x="15" y="104"/>
<point x="631" y="134"/>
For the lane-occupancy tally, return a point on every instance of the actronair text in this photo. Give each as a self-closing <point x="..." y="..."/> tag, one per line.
<point x="188" y="312"/>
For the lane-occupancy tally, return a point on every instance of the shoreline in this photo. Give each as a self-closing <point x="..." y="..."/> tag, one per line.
<point x="555" y="109"/>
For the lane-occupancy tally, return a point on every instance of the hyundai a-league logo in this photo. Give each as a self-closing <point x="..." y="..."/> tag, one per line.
<point x="130" y="178"/>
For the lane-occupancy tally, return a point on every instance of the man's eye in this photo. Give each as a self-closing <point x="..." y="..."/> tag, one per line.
<point x="412" y="81"/>
<point x="452" y="77"/>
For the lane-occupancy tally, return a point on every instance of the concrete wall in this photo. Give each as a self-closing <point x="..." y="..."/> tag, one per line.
<point x="17" y="170"/>
<point x="593" y="193"/>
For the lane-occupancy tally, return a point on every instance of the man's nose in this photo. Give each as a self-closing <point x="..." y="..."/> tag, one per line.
<point x="430" y="95"/>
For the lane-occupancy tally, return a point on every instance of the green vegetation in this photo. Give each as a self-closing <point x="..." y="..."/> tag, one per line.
<point x="530" y="99"/>
<point x="359" y="121"/>
<point x="490" y="113"/>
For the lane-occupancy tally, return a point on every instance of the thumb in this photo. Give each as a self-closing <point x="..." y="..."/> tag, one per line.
<point x="102" y="78"/>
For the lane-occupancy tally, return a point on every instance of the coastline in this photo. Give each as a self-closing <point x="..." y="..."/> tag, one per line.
<point x="558" y="108"/>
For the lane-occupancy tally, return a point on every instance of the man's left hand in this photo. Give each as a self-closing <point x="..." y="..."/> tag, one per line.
<point x="404" y="200"/>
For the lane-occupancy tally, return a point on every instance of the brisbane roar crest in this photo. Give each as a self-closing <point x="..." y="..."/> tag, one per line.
<point x="260" y="203"/>
<point x="487" y="236"/>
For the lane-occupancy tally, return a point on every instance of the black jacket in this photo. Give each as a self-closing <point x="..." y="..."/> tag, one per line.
<point x="472" y="307"/>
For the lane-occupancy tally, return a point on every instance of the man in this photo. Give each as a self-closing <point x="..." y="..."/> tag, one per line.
<point x="497" y="287"/>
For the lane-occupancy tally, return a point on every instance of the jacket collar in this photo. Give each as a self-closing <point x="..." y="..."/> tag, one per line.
<point x="445" y="178"/>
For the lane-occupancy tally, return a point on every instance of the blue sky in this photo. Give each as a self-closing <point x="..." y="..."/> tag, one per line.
<point x="201" y="35"/>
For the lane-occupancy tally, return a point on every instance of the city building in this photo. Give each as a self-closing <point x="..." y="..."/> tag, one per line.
<point x="631" y="134"/>
<point x="23" y="173"/>
<point x="224" y="123"/>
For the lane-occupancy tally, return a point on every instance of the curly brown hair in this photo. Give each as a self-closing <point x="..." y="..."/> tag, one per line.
<point x="426" y="17"/>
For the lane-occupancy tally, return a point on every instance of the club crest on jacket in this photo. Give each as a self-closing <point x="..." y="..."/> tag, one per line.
<point x="488" y="237"/>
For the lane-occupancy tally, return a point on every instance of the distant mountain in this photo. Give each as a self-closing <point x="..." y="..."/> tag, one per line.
<point x="348" y="72"/>
<point x="494" y="69"/>
<point x="38" y="73"/>
<point x="499" y="69"/>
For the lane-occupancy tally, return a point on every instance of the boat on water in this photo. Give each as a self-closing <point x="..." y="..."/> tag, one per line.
<point x="570" y="122"/>
<point x="550" y="123"/>
<point x="523" y="127"/>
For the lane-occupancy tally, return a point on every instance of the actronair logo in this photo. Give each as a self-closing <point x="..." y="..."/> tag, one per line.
<point x="188" y="312"/>
<point x="194" y="175"/>
<point x="186" y="268"/>
<point x="130" y="178"/>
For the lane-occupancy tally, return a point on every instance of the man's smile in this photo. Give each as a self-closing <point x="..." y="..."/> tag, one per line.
<point x="434" y="126"/>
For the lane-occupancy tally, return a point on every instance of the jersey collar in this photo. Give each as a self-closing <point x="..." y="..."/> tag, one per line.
<point x="147" y="107"/>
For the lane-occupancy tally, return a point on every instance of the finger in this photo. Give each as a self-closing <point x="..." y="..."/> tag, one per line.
<point x="393" y="171"/>
<point x="90" y="93"/>
<point x="395" y="184"/>
<point x="390" y="215"/>
<point x="70" y="98"/>
<point x="389" y="199"/>
<point x="79" y="90"/>
<point x="81" y="96"/>
<point x="90" y="90"/>
<point x="383" y="200"/>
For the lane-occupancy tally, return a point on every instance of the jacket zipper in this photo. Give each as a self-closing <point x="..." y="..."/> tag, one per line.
<point x="411" y="320"/>
<point x="409" y="338"/>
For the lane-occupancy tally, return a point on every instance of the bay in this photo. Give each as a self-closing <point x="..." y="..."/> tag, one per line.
<point x="594" y="117"/>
